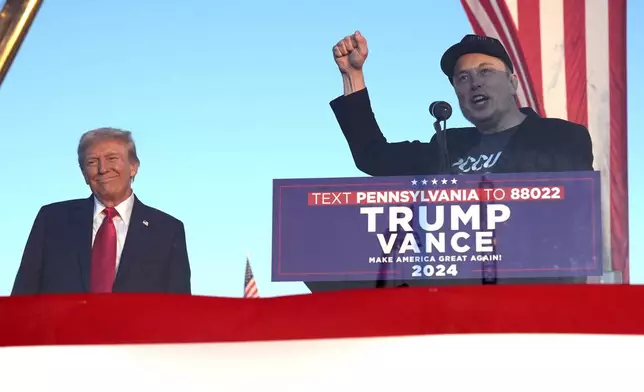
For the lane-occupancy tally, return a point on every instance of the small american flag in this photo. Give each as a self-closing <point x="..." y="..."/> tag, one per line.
<point x="250" y="287"/>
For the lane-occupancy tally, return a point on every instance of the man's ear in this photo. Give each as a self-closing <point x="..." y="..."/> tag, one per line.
<point x="134" y="169"/>
<point x="514" y="82"/>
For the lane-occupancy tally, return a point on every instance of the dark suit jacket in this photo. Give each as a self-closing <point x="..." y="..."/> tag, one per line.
<point x="539" y="145"/>
<point x="57" y="255"/>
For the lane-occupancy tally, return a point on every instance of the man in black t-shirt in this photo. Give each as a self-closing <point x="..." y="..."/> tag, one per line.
<point x="504" y="139"/>
<point x="485" y="155"/>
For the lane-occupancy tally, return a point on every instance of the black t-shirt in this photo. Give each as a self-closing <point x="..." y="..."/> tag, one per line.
<point x="483" y="156"/>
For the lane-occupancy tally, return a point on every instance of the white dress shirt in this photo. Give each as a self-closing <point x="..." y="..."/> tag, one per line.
<point x="121" y="222"/>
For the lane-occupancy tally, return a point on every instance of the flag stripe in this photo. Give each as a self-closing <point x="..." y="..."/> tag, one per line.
<point x="508" y="26"/>
<point x="502" y="35"/>
<point x="618" y="136"/>
<point x="528" y="22"/>
<point x="513" y="9"/>
<point x="251" y="291"/>
<point x="490" y="17"/>
<point x="597" y="89"/>
<point x="555" y="92"/>
<point x="474" y="19"/>
<point x="574" y="21"/>
<point x="573" y="54"/>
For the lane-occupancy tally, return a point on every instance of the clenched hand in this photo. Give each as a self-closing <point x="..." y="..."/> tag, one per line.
<point x="350" y="53"/>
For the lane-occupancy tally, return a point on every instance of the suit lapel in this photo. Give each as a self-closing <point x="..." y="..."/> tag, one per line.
<point x="137" y="232"/>
<point x="81" y="223"/>
<point x="515" y="150"/>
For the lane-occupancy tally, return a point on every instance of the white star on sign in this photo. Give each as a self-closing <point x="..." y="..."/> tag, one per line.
<point x="454" y="181"/>
<point x="434" y="182"/>
<point x="424" y="182"/>
<point x="414" y="182"/>
<point x="443" y="181"/>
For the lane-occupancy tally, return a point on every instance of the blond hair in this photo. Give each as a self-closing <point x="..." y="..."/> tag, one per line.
<point x="94" y="136"/>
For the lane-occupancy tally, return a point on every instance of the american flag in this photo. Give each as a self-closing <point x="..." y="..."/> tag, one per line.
<point x="570" y="57"/>
<point x="250" y="287"/>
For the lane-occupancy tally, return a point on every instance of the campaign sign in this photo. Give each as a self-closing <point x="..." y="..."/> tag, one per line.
<point x="536" y="225"/>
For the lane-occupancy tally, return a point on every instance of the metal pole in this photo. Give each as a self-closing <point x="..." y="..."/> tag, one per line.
<point x="16" y="17"/>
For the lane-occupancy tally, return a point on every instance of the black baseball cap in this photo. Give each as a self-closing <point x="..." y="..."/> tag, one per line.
<point x="474" y="44"/>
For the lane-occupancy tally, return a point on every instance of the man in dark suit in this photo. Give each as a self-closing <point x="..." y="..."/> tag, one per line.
<point x="109" y="242"/>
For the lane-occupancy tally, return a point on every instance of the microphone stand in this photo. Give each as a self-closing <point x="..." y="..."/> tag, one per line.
<point x="489" y="268"/>
<point x="441" y="138"/>
<point x="382" y="279"/>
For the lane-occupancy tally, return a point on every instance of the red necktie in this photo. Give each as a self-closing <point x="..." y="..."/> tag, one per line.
<point x="103" y="267"/>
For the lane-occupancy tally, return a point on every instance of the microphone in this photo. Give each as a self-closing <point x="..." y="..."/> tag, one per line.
<point x="440" y="110"/>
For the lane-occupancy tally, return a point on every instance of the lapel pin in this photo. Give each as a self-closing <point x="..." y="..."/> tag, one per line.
<point x="145" y="222"/>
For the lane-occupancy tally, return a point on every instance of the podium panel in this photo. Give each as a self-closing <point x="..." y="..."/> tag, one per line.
<point x="438" y="230"/>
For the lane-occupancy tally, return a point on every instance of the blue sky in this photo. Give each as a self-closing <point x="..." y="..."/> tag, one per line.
<point x="222" y="98"/>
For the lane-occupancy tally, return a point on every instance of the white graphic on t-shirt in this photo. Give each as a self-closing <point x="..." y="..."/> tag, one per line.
<point x="474" y="164"/>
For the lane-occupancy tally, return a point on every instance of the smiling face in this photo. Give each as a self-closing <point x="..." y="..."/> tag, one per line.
<point x="108" y="171"/>
<point x="485" y="88"/>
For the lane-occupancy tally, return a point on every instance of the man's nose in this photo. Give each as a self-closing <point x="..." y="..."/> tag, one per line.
<point x="475" y="83"/>
<point x="102" y="167"/>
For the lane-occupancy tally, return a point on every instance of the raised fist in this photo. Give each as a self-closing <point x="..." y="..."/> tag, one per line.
<point x="351" y="52"/>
